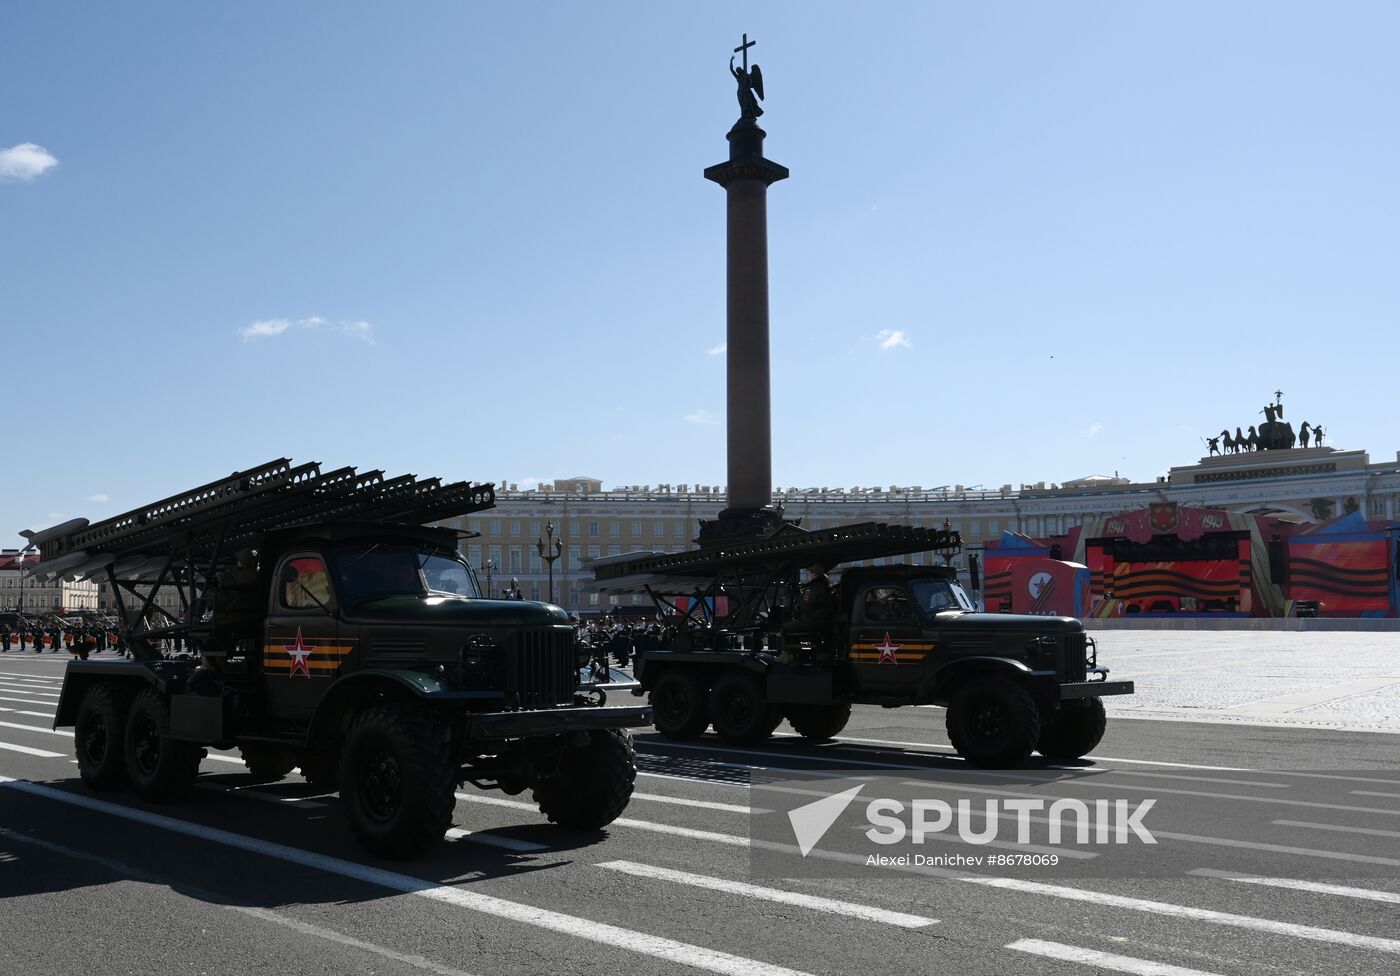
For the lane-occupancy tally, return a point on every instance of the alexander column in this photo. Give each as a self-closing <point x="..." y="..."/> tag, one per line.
<point x="746" y="178"/>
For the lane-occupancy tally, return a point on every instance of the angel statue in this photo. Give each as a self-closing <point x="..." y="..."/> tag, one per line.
<point x="750" y="81"/>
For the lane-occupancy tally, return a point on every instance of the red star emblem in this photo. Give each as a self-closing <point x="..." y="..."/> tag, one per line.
<point x="301" y="651"/>
<point x="887" y="650"/>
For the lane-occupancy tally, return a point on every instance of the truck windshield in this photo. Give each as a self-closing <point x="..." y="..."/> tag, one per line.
<point x="370" y="572"/>
<point x="936" y="595"/>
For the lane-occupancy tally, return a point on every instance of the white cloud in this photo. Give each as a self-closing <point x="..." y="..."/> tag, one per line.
<point x="1093" y="429"/>
<point x="716" y="350"/>
<point x="702" y="417"/>
<point x="266" y="328"/>
<point x="889" y="339"/>
<point x="25" y="161"/>
<point x="98" y="498"/>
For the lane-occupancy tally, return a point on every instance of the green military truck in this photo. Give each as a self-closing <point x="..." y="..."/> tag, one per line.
<point x="751" y="643"/>
<point x="323" y="625"/>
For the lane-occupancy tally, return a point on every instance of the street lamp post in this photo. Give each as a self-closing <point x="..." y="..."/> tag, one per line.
<point x="487" y="567"/>
<point x="550" y="551"/>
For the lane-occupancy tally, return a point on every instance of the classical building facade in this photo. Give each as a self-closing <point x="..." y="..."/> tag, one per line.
<point x="1308" y="485"/>
<point x="31" y="596"/>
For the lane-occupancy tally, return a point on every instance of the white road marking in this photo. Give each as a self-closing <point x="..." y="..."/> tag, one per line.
<point x="254" y="794"/>
<point x="1388" y="796"/>
<point x="220" y="901"/>
<point x="602" y="933"/>
<point x="731" y="840"/>
<point x="1196" y="914"/>
<point x="36" y="728"/>
<point x="701" y="804"/>
<point x="694" y="779"/>
<point x="1102" y="960"/>
<point x="31" y="676"/>
<point x="1369" y="894"/>
<point x="26" y="701"/>
<point x="1115" y="787"/>
<point x="1338" y="828"/>
<point x="20" y="711"/>
<point x="494" y="840"/>
<point x="42" y="753"/>
<point x="1096" y="759"/>
<point x="28" y="690"/>
<point x="831" y="905"/>
<point x="227" y="759"/>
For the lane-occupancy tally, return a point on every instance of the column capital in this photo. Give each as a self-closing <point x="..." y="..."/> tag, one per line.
<point x="753" y="167"/>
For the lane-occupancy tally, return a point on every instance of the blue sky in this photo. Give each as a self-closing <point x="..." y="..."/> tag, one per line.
<point x="473" y="240"/>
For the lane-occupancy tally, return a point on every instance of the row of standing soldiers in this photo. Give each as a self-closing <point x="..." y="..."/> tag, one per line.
<point x="81" y="640"/>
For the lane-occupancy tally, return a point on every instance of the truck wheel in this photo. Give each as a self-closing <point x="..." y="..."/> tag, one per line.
<point x="679" y="704"/>
<point x="993" y="722"/>
<point x="320" y="767"/>
<point x="740" y="710"/>
<point x="98" y="735"/>
<point x="268" y="762"/>
<point x="818" y="722"/>
<point x="160" y="768"/>
<point x="396" y="780"/>
<point x="593" y="783"/>
<point x="1074" y="730"/>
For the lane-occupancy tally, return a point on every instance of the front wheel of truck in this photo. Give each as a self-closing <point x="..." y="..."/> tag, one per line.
<point x="396" y="782"/>
<point x="1074" y="730"/>
<point x="993" y="723"/>
<point x="593" y="783"/>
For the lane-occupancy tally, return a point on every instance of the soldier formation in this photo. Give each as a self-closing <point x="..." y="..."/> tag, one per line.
<point x="1273" y="434"/>
<point x="80" y="639"/>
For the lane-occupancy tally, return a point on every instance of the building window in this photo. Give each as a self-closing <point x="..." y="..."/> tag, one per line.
<point x="515" y="561"/>
<point x="573" y="559"/>
<point x="535" y="593"/>
<point x="992" y="526"/>
<point x="535" y="527"/>
<point x="615" y="529"/>
<point x="974" y="527"/>
<point x="593" y="530"/>
<point x="495" y="526"/>
<point x="636" y="529"/>
<point x="614" y="550"/>
<point x="536" y="563"/>
<point x="594" y="552"/>
<point x="515" y="528"/>
<point x="658" y="529"/>
<point x="678" y="530"/>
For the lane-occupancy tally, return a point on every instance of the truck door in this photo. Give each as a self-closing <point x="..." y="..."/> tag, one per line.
<point x="301" y="654"/>
<point x="887" y="652"/>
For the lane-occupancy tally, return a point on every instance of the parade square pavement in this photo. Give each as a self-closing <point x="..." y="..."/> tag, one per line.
<point x="1323" y="680"/>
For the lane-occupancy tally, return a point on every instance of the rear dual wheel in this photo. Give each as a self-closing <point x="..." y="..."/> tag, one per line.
<point x="98" y="737"/>
<point x="159" y="768"/>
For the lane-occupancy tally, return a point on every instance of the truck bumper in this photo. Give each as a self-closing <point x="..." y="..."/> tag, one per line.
<point x="551" y="721"/>
<point x="1094" y="689"/>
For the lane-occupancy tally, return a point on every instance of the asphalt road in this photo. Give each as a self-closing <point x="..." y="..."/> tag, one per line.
<point x="266" y="879"/>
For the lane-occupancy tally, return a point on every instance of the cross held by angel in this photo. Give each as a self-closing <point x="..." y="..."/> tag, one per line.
<point x="750" y="80"/>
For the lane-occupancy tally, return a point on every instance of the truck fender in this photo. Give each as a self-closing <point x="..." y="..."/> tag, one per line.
<point x="342" y="699"/>
<point x="82" y="675"/>
<point x="938" y="685"/>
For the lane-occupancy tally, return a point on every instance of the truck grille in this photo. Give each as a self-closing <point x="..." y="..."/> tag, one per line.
<point x="1075" y="666"/>
<point x="542" y="668"/>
